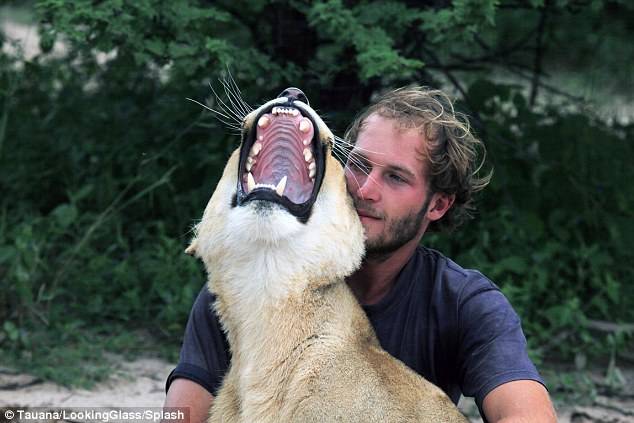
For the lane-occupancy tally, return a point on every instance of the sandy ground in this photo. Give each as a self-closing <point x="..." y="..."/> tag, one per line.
<point x="140" y="383"/>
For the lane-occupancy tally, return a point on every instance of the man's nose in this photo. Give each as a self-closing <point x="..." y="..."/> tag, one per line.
<point x="364" y="186"/>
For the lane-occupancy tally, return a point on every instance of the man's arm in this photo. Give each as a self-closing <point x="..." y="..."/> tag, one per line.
<point x="204" y="359"/>
<point x="519" y="401"/>
<point x="184" y="393"/>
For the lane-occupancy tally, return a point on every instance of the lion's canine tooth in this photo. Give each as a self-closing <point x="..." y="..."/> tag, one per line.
<point x="255" y="149"/>
<point x="308" y="155"/>
<point x="250" y="162"/>
<point x="280" y="186"/>
<point x="250" y="182"/>
<point x="264" y="121"/>
<point x="304" y="125"/>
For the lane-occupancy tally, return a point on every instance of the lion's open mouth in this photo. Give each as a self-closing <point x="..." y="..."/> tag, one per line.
<point x="282" y="160"/>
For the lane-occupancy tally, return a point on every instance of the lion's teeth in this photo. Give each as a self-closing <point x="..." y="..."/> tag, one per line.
<point x="280" y="186"/>
<point x="308" y="155"/>
<point x="304" y="125"/>
<point x="312" y="166"/>
<point x="264" y="121"/>
<point x="284" y="111"/>
<point x="250" y="182"/>
<point x="255" y="150"/>
<point x="311" y="172"/>
<point x="248" y="166"/>
<point x="306" y="142"/>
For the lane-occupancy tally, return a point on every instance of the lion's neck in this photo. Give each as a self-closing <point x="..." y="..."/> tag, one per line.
<point x="270" y="294"/>
<point x="269" y="335"/>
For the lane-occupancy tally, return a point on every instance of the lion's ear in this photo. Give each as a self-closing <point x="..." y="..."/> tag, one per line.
<point x="191" y="250"/>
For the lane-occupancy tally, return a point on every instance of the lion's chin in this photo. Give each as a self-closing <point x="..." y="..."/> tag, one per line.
<point x="264" y="223"/>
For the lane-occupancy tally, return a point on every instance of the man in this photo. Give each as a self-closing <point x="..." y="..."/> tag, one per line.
<point x="413" y="167"/>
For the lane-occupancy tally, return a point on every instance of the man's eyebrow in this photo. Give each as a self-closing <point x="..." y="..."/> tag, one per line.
<point x="390" y="167"/>
<point x="400" y="169"/>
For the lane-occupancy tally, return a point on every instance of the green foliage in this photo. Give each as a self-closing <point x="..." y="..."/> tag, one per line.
<point x="556" y="223"/>
<point x="104" y="166"/>
<point x="359" y="28"/>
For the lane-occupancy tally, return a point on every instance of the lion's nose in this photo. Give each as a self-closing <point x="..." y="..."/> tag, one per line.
<point x="293" y="94"/>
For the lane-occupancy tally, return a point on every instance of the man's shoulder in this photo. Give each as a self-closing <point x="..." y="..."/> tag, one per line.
<point x="452" y="278"/>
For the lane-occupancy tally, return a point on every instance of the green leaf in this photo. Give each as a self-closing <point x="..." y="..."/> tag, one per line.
<point x="65" y="214"/>
<point x="7" y="253"/>
<point x="155" y="46"/>
<point x="515" y="264"/>
<point x="11" y="330"/>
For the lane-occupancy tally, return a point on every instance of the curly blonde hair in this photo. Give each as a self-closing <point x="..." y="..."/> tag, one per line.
<point x="454" y="155"/>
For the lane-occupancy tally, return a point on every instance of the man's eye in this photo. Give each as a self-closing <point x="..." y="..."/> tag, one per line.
<point x="396" y="178"/>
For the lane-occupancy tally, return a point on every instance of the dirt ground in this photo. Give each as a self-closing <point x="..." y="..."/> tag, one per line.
<point x="140" y="383"/>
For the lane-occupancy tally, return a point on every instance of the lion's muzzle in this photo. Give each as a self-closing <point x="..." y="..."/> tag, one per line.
<point x="282" y="158"/>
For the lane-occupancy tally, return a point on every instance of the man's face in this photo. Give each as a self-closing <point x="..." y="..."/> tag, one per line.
<point x="386" y="178"/>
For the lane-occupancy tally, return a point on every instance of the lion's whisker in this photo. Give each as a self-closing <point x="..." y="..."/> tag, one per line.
<point x="234" y="99"/>
<point x="346" y="168"/>
<point x="232" y="90"/>
<point x="346" y="161"/>
<point x="353" y="154"/>
<point x="230" y="118"/>
<point x="236" y="90"/>
<point x="237" y="117"/>
<point x="349" y="144"/>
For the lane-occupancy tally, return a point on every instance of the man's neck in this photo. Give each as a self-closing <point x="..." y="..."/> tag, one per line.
<point x="378" y="274"/>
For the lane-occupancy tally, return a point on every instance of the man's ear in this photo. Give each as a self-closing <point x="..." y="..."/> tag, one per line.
<point x="439" y="205"/>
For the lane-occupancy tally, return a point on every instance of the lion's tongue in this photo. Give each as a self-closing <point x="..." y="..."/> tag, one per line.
<point x="284" y="139"/>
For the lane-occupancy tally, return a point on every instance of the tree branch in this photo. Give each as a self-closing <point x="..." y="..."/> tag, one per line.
<point x="539" y="53"/>
<point x="454" y="81"/>
<point x="517" y="70"/>
<point x="604" y="326"/>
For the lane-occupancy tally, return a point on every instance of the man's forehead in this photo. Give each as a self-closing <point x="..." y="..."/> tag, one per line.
<point x="399" y="133"/>
<point x="391" y="146"/>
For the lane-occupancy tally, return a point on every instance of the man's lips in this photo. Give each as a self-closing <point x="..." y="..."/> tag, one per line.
<point x="364" y="213"/>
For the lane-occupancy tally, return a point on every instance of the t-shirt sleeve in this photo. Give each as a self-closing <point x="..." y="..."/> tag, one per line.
<point x="204" y="356"/>
<point x="492" y="345"/>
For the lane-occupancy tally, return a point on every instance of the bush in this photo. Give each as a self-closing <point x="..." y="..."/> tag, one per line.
<point x="104" y="165"/>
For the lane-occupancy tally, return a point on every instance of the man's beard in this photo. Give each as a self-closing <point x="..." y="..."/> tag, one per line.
<point x="396" y="232"/>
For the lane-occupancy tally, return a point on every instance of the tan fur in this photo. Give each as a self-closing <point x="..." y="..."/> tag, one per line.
<point x="302" y="348"/>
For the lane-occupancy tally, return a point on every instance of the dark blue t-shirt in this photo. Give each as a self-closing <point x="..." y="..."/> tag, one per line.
<point x="451" y="325"/>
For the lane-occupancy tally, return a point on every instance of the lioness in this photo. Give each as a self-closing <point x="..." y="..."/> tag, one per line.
<point x="278" y="237"/>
